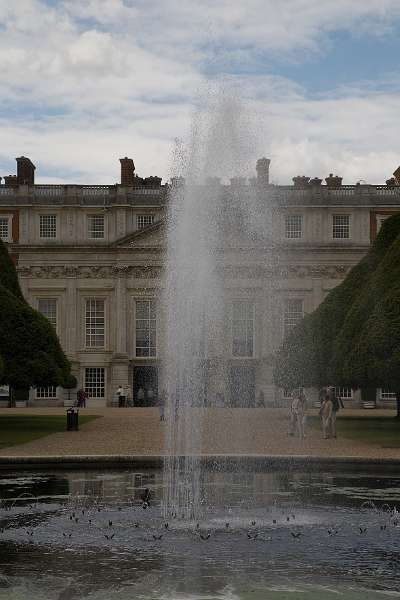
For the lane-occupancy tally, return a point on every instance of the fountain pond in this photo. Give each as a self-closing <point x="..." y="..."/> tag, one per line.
<point x="276" y="534"/>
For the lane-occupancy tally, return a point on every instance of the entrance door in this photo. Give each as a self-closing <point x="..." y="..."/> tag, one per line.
<point x="242" y="386"/>
<point x="145" y="386"/>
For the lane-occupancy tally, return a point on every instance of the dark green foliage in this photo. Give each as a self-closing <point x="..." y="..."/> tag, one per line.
<point x="8" y="274"/>
<point x="353" y="338"/>
<point x="70" y="382"/>
<point x="370" y="336"/>
<point x="29" y="346"/>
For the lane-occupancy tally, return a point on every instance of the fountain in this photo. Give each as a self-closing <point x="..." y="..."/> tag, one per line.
<point x="204" y="218"/>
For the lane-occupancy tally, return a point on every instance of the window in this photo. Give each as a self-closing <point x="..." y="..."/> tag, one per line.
<point x="95" y="227"/>
<point x="46" y="392"/>
<point x="146" y="328"/>
<point x="341" y="227"/>
<point x="294" y="226"/>
<point x="5" y="229"/>
<point x="345" y="393"/>
<point x="48" y="308"/>
<point x="48" y="226"/>
<point x="94" y="323"/>
<point x="387" y="395"/>
<point x="242" y="328"/>
<point x="144" y="221"/>
<point x="94" y="382"/>
<point x="293" y="314"/>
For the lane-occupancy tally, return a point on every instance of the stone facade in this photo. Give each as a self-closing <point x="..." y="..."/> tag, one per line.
<point x="91" y="258"/>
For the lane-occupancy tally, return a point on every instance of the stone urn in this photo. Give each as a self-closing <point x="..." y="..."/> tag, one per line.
<point x="333" y="181"/>
<point x="301" y="181"/>
<point x="316" y="181"/>
<point x="238" y="181"/>
<point x="391" y="182"/>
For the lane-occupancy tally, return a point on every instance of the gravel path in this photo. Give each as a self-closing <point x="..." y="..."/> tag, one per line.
<point x="226" y="431"/>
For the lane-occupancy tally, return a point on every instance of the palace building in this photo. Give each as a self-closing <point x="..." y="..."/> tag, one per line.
<point x="90" y="258"/>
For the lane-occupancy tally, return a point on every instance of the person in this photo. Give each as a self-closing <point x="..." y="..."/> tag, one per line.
<point x="325" y="413"/>
<point x="337" y="404"/>
<point x="261" y="399"/>
<point x="128" y="395"/>
<point x="301" y="414"/>
<point x="140" y="396"/>
<point x="146" y="497"/>
<point x="81" y="398"/>
<point x="121" y="396"/>
<point x="219" y="400"/>
<point x="298" y="412"/>
<point x="150" y="397"/>
<point x="293" y="413"/>
<point x="161" y="405"/>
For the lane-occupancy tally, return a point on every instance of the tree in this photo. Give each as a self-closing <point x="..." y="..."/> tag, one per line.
<point x="353" y="338"/>
<point x="8" y="273"/>
<point x="29" y="346"/>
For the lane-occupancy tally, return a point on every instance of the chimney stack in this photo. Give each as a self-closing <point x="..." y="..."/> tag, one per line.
<point x="25" y="171"/>
<point x="127" y="171"/>
<point x="262" y="169"/>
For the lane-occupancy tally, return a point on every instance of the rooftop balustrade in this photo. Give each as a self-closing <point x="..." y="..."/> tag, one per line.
<point x="330" y="194"/>
<point x="113" y="193"/>
<point x="59" y="193"/>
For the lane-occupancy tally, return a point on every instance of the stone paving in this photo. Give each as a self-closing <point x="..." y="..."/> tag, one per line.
<point x="138" y="431"/>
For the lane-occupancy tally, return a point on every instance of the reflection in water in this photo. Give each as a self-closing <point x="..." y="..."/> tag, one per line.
<point x="264" y="535"/>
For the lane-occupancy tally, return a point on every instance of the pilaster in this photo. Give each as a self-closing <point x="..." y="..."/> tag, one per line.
<point x="71" y="301"/>
<point x="121" y="317"/>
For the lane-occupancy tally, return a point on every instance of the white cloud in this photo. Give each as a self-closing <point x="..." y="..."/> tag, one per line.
<point x="85" y="81"/>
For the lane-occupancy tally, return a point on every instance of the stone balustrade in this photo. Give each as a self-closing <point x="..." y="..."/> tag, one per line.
<point x="111" y="194"/>
<point x="76" y="194"/>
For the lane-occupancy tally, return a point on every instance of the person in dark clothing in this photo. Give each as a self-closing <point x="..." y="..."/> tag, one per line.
<point x="81" y="398"/>
<point x="146" y="497"/>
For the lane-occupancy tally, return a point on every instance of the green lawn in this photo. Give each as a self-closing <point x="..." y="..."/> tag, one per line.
<point x="382" y="431"/>
<point x="18" y="429"/>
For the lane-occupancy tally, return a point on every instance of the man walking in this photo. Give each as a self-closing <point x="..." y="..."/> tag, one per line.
<point x="325" y="413"/>
<point x="121" y="396"/>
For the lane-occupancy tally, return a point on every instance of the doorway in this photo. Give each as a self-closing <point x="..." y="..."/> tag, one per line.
<point x="145" y="386"/>
<point x="242" y="387"/>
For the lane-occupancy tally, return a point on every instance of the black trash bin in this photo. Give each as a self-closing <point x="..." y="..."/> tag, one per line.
<point x="72" y="419"/>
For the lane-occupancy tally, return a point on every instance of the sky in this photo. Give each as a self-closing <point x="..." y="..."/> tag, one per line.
<point x="85" y="82"/>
